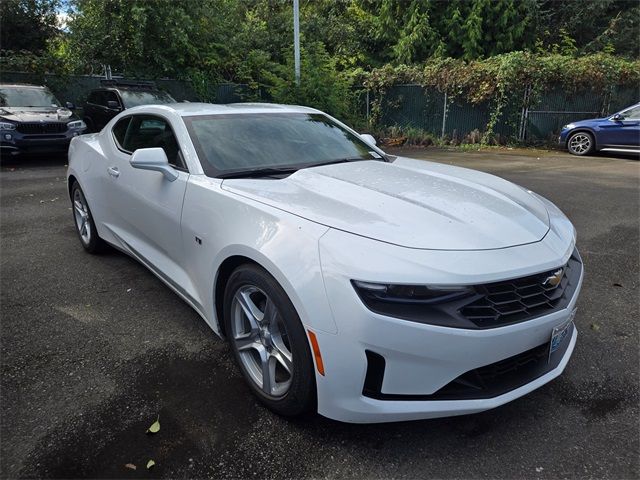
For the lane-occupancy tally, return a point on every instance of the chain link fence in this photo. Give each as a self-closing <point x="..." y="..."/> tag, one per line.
<point x="523" y="116"/>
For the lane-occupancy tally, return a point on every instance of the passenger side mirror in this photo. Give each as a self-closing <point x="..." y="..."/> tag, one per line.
<point x="153" y="159"/>
<point x="70" y="106"/>
<point x="617" y="117"/>
<point x="368" y="138"/>
<point x="113" y="105"/>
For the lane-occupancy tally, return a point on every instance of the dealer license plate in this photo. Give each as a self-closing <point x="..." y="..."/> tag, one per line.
<point x="559" y="333"/>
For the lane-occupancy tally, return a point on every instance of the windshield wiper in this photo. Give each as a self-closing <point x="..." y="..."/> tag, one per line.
<point x="258" y="172"/>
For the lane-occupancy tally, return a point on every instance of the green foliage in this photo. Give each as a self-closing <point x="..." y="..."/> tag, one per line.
<point x="27" y="25"/>
<point x="321" y="85"/>
<point x="501" y="80"/>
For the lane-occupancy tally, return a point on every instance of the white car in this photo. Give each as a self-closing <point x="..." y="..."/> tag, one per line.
<point x="367" y="287"/>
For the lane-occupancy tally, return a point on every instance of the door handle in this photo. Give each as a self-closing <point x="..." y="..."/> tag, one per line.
<point x="113" y="171"/>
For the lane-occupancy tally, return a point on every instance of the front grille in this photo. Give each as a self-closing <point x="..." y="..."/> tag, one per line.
<point x="38" y="128"/>
<point x="512" y="301"/>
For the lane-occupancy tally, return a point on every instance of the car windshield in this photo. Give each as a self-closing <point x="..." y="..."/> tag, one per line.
<point x="237" y="143"/>
<point x="133" y="98"/>
<point x="27" y="97"/>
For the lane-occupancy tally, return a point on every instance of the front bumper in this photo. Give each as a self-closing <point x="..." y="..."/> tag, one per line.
<point x="20" y="143"/>
<point x="421" y="359"/>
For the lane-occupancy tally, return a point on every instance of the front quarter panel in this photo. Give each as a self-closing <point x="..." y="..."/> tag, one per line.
<point x="285" y="245"/>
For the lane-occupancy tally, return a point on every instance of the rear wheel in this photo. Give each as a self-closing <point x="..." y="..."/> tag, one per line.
<point x="85" y="226"/>
<point x="581" y="143"/>
<point x="269" y="341"/>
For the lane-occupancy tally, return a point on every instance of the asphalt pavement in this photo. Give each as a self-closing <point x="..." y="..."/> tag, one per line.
<point x="95" y="348"/>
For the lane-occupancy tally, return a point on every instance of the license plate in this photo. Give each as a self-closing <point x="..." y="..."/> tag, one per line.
<point x="559" y="333"/>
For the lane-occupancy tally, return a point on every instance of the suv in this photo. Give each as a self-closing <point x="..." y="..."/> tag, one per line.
<point x="33" y="120"/>
<point x="117" y="95"/>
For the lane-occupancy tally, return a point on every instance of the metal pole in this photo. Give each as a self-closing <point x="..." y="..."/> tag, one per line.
<point x="296" y="38"/>
<point x="367" y="104"/>
<point x="444" y="115"/>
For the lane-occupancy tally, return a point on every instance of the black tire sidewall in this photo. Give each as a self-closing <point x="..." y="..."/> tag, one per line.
<point x="301" y="397"/>
<point x="591" y="147"/>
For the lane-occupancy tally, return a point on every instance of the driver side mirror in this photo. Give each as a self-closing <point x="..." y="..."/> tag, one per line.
<point x="368" y="138"/>
<point x="617" y="117"/>
<point x="153" y="159"/>
<point x="113" y="105"/>
<point x="70" y="106"/>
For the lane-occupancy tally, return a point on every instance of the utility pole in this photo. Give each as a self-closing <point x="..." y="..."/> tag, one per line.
<point x="296" y="38"/>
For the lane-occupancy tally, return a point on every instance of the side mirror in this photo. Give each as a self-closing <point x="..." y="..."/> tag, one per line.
<point x="153" y="159"/>
<point x="70" y="106"/>
<point x="368" y="138"/>
<point x="113" y="105"/>
<point x="617" y="117"/>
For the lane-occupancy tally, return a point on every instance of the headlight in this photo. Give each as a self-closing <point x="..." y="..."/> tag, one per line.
<point x="416" y="294"/>
<point x="568" y="126"/>
<point x="76" y="124"/>
<point x="7" y="126"/>
<point x="430" y="304"/>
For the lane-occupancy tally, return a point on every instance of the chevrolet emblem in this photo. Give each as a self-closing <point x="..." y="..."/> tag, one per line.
<point x="554" y="279"/>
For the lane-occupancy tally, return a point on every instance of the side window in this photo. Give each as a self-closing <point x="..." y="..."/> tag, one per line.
<point x="110" y="97"/>
<point x="148" y="131"/>
<point x="97" y="98"/>
<point x="120" y="130"/>
<point x="632" y="113"/>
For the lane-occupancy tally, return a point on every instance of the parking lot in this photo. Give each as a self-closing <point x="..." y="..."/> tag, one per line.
<point x="95" y="348"/>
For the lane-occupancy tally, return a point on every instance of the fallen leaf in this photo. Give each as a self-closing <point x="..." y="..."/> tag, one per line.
<point x="128" y="290"/>
<point x="155" y="427"/>
<point x="617" y="285"/>
<point x="595" y="327"/>
<point x="150" y="464"/>
<point x="130" y="466"/>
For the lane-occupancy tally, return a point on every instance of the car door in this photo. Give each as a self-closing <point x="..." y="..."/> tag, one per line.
<point x="623" y="131"/>
<point x="146" y="207"/>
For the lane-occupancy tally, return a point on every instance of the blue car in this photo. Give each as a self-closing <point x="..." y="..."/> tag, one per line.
<point x="619" y="131"/>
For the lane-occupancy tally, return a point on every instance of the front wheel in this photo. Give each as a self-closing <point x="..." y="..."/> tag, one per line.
<point x="581" y="143"/>
<point x="85" y="226"/>
<point x="269" y="342"/>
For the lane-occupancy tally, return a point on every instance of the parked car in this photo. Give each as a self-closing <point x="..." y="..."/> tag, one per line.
<point x="619" y="131"/>
<point x="371" y="287"/>
<point x="32" y="120"/>
<point x="117" y="95"/>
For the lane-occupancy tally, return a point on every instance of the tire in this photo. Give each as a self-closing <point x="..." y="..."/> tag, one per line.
<point x="83" y="220"/>
<point x="270" y="339"/>
<point x="581" y="143"/>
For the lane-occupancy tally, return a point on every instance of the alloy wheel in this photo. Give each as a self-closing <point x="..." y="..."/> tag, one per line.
<point x="580" y="143"/>
<point x="81" y="214"/>
<point x="260" y="337"/>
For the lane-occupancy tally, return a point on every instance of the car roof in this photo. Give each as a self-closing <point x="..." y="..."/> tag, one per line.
<point x="187" y="109"/>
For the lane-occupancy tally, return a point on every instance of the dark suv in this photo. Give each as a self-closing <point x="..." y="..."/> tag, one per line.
<point x="33" y="120"/>
<point x="117" y="95"/>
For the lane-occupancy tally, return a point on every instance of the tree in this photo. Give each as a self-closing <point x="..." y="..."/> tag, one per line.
<point x="27" y="24"/>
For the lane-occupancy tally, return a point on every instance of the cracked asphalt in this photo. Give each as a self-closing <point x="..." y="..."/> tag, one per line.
<point x="94" y="348"/>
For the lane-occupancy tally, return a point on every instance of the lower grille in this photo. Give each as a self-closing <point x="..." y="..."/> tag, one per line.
<point x="36" y="128"/>
<point x="485" y="382"/>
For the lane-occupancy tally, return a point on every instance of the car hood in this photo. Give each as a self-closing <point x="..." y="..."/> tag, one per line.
<point x="411" y="203"/>
<point x="36" y="114"/>
<point x="588" y="122"/>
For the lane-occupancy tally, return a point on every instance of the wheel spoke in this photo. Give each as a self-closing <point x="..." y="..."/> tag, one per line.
<point x="248" y="341"/>
<point x="251" y="310"/>
<point x="79" y="208"/>
<point x="284" y="359"/>
<point x="270" y="315"/>
<point x="268" y="373"/>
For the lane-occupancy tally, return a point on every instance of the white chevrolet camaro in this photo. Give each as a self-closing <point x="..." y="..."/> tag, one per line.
<point x="367" y="287"/>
